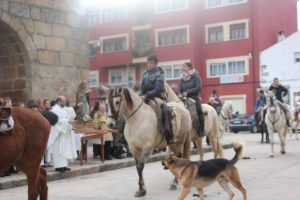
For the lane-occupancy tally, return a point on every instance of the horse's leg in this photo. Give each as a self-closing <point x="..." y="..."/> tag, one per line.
<point x="272" y="142"/>
<point x="214" y="144"/>
<point x="267" y="134"/>
<point x="43" y="183"/>
<point x="179" y="153"/>
<point x="282" y="134"/>
<point x="199" y="146"/>
<point x="33" y="180"/>
<point x="140" y="167"/>
<point x="262" y="135"/>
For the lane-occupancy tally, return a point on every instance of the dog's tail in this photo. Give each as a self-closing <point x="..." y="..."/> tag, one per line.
<point x="238" y="148"/>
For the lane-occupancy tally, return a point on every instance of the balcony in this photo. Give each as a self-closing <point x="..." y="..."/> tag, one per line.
<point x="142" y="44"/>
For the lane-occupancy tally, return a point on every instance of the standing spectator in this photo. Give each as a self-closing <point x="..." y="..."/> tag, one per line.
<point x="215" y="101"/>
<point x="47" y="104"/>
<point x="61" y="144"/>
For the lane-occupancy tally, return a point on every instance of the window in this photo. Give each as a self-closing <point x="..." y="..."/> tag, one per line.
<point x="114" y="14"/>
<point x="232" y="2"/>
<point x="94" y="79"/>
<point x="224" y="67"/>
<point x="172" y="71"/>
<point x="226" y="31"/>
<point x="217" y="69"/>
<point x="214" y="3"/>
<point x="297" y="57"/>
<point x="121" y="77"/>
<point x="237" y="31"/>
<point x="172" y="37"/>
<point x="92" y="21"/>
<point x="215" y="34"/>
<point x="171" y="5"/>
<point x="114" y="44"/>
<point x="92" y="49"/>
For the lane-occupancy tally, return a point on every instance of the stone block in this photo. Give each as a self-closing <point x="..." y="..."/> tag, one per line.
<point x="29" y="25"/>
<point x="73" y="20"/>
<point x="39" y="41"/>
<point x="81" y="61"/>
<point x="4" y="61"/>
<point x="4" y="4"/>
<point x="21" y="71"/>
<point x="19" y="84"/>
<point x="53" y="16"/>
<point x="55" y="44"/>
<point x="43" y="28"/>
<point x="61" y="30"/>
<point x="17" y="60"/>
<point x="66" y="59"/>
<point x="16" y="96"/>
<point x="73" y="46"/>
<point x="36" y="13"/>
<point x="6" y="85"/>
<point x="48" y="57"/>
<point x="9" y="72"/>
<point x="5" y="17"/>
<point x="19" y="9"/>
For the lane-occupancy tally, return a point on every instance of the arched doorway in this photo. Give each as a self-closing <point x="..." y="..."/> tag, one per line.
<point x="13" y="82"/>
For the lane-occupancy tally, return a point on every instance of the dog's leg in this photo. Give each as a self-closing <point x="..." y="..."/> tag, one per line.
<point x="224" y="184"/>
<point x="201" y="193"/>
<point x="236" y="182"/>
<point x="184" y="192"/>
<point x="174" y="184"/>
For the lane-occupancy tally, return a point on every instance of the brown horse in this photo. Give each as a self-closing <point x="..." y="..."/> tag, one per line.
<point x="24" y="147"/>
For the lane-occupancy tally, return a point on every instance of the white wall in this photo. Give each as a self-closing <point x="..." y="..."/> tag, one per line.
<point x="280" y="62"/>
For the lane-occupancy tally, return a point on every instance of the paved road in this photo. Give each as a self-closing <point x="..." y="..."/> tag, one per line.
<point x="264" y="178"/>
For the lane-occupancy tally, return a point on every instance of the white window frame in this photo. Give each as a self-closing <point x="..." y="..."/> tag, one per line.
<point x="297" y="57"/>
<point x="157" y="31"/>
<point x="225" y="3"/>
<point x="126" y="35"/>
<point x="238" y="96"/>
<point x="174" y="64"/>
<point x="94" y="75"/>
<point x="157" y="11"/>
<point x="226" y="30"/>
<point x="124" y="76"/>
<point x="107" y="7"/>
<point x="227" y="60"/>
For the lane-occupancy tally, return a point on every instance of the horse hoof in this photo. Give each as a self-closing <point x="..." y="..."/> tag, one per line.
<point x="173" y="187"/>
<point x="282" y="152"/>
<point x="271" y="156"/>
<point x="140" y="193"/>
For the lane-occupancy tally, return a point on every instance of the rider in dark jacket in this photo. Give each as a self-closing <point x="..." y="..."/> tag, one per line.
<point x="190" y="86"/>
<point x="153" y="86"/>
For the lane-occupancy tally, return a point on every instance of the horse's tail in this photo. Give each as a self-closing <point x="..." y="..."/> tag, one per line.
<point x="51" y="117"/>
<point x="219" y="148"/>
<point x="187" y="147"/>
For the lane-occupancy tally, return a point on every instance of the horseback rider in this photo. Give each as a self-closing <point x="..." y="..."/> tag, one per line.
<point x="153" y="87"/>
<point x="190" y="86"/>
<point x="215" y="101"/>
<point x="297" y="106"/>
<point x="260" y="104"/>
<point x="280" y="92"/>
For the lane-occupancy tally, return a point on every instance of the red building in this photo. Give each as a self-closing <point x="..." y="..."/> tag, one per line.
<point x="222" y="38"/>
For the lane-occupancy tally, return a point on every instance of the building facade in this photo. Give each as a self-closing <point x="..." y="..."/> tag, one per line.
<point x="282" y="60"/>
<point x="222" y="38"/>
<point x="43" y="49"/>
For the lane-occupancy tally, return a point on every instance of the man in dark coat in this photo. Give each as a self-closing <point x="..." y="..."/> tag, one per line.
<point x="153" y="87"/>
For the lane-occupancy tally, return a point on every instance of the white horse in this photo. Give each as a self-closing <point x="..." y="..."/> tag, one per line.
<point x="224" y="116"/>
<point x="295" y="123"/>
<point x="212" y="127"/>
<point x="141" y="130"/>
<point x="275" y="120"/>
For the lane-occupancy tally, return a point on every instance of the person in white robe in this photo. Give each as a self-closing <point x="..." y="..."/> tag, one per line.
<point x="61" y="143"/>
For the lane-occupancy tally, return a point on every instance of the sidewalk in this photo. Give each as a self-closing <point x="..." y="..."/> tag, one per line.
<point x="91" y="166"/>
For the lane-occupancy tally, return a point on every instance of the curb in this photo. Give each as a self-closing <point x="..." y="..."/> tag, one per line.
<point x="21" y="181"/>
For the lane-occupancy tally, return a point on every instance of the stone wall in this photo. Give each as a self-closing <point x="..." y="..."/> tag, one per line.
<point x="51" y="38"/>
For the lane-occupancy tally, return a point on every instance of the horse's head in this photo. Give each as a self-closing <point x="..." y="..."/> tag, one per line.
<point x="118" y="100"/>
<point x="228" y="107"/>
<point x="271" y="101"/>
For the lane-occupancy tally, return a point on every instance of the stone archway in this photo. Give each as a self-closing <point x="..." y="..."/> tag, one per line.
<point x="13" y="82"/>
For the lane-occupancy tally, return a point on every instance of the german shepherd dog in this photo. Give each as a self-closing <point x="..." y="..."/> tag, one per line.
<point x="201" y="174"/>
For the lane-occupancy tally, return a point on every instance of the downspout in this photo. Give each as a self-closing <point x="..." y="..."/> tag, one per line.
<point x="253" y="50"/>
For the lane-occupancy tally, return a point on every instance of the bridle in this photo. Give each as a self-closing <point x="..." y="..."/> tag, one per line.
<point x="115" y="114"/>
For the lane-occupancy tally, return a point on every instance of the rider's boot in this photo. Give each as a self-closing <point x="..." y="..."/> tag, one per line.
<point x="200" y="130"/>
<point x="168" y="128"/>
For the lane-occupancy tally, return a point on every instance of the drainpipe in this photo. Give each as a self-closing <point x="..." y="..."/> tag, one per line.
<point x="253" y="51"/>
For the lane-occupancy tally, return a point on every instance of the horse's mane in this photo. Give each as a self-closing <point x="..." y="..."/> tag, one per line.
<point x="128" y="97"/>
<point x="171" y="96"/>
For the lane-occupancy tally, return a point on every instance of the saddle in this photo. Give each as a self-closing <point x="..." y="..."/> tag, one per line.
<point x="156" y="105"/>
<point x="190" y="104"/>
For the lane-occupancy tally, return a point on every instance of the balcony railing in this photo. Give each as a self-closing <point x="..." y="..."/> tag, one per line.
<point x="141" y="52"/>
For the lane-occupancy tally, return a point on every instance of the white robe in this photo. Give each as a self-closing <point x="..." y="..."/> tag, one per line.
<point x="61" y="144"/>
